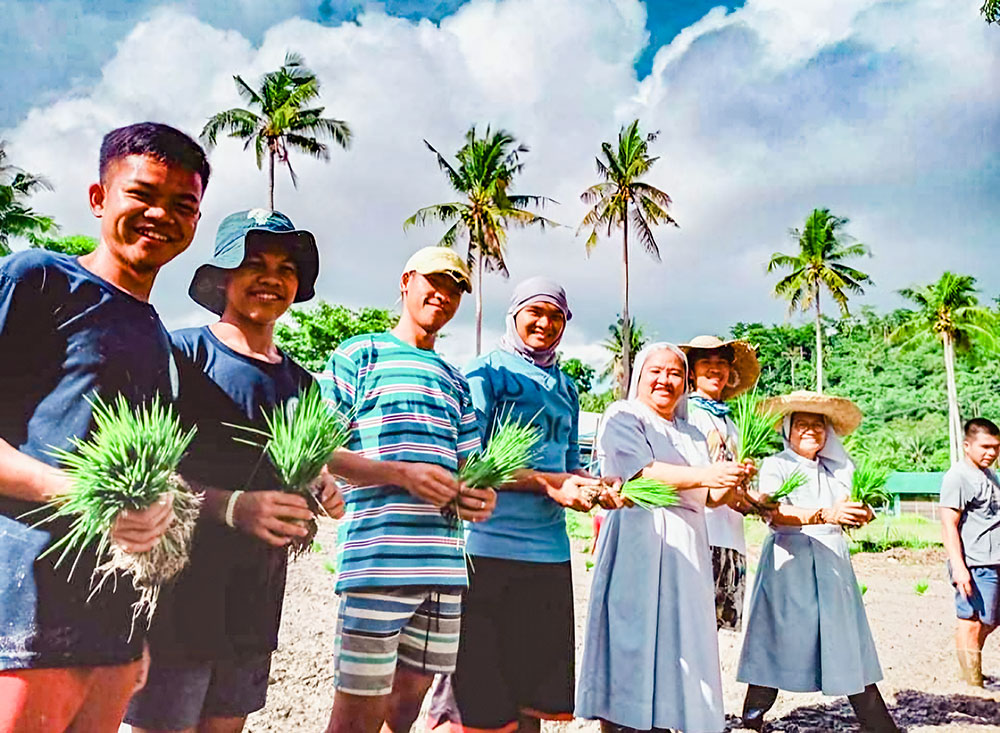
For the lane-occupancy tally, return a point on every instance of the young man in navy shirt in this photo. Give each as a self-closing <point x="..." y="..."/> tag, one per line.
<point x="72" y="328"/>
<point x="215" y="629"/>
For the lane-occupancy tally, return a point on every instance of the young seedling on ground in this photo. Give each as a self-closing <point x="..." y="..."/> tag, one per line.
<point x="921" y="587"/>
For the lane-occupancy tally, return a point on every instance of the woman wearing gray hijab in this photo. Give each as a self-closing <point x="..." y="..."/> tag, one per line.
<point x="516" y="654"/>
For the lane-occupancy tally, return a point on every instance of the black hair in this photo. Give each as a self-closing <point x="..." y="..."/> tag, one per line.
<point x="981" y="425"/>
<point x="726" y="352"/>
<point x="163" y="142"/>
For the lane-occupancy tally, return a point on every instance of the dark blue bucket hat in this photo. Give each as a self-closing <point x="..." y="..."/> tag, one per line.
<point x="208" y="286"/>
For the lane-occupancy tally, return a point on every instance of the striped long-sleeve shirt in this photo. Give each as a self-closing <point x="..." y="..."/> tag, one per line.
<point x="408" y="405"/>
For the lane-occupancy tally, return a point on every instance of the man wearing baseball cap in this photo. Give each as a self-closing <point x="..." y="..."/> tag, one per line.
<point x="401" y="560"/>
<point x="216" y="627"/>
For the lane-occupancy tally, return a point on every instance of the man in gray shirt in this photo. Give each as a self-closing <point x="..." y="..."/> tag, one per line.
<point x="970" y="522"/>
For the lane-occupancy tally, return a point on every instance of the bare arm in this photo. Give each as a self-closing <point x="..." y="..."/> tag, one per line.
<point x="960" y="576"/>
<point x="434" y="484"/>
<point x="576" y="489"/>
<point x="28" y="479"/>
<point x="849" y="513"/>
<point x="723" y="475"/>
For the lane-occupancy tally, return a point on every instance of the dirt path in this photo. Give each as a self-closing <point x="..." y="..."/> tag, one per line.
<point x="913" y="634"/>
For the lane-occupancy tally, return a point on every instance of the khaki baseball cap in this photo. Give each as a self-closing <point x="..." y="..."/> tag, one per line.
<point x="429" y="260"/>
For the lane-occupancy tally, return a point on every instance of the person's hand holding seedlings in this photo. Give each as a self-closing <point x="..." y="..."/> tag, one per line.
<point x="847" y="513"/>
<point x="329" y="495"/>
<point x="434" y="484"/>
<point x="476" y="505"/>
<point x="610" y="496"/>
<point x="574" y="492"/>
<point x="137" y="530"/>
<point x="268" y="515"/>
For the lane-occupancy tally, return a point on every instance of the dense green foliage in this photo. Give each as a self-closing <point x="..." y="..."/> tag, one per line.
<point x="74" y="244"/>
<point x="17" y="219"/>
<point x="581" y="373"/>
<point x="315" y="332"/>
<point x="285" y="119"/>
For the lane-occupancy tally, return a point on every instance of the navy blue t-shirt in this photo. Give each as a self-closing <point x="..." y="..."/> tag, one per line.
<point x="227" y="602"/>
<point x="65" y="334"/>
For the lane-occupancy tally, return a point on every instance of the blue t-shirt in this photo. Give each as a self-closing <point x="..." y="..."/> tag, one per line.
<point x="65" y="334"/>
<point x="227" y="602"/>
<point x="525" y="525"/>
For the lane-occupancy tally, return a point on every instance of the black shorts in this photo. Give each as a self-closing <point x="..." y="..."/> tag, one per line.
<point x="517" y="647"/>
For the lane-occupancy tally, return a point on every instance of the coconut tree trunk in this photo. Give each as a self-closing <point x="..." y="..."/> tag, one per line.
<point x="954" y="419"/>
<point x="819" y="346"/>
<point x="270" y="179"/>
<point x="626" y="322"/>
<point x="479" y="300"/>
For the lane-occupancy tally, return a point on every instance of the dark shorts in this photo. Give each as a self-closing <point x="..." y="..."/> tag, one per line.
<point x="730" y="570"/>
<point x="517" y="649"/>
<point x="178" y="695"/>
<point x="985" y="602"/>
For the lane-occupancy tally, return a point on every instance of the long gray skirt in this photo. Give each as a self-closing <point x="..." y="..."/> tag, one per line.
<point x="651" y="656"/>
<point x="807" y="630"/>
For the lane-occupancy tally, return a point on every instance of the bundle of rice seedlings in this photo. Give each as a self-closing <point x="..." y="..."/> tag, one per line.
<point x="128" y="462"/>
<point x="868" y="484"/>
<point x="755" y="427"/>
<point x="649" y="493"/>
<point x="510" y="448"/>
<point x="790" y="484"/>
<point x="301" y="436"/>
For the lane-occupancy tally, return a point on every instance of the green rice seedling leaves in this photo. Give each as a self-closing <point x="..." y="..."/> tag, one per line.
<point x="795" y="480"/>
<point x="649" y="494"/>
<point x="755" y="427"/>
<point x="868" y="484"/>
<point x="127" y="463"/>
<point x="921" y="586"/>
<point x="510" y="448"/>
<point x="301" y="436"/>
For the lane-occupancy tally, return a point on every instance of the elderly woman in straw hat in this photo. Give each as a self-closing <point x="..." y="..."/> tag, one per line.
<point x="807" y="630"/>
<point x="651" y="657"/>
<point x="720" y="371"/>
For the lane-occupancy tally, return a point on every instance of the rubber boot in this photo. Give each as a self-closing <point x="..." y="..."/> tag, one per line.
<point x="756" y="704"/>
<point x="970" y="663"/>
<point x="871" y="711"/>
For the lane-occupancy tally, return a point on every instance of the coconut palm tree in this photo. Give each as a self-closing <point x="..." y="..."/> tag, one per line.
<point x="483" y="175"/>
<point x="620" y="199"/>
<point x="823" y="246"/>
<point x="949" y="310"/>
<point x="283" y="120"/>
<point x="991" y="11"/>
<point x="614" y="345"/>
<point x="17" y="219"/>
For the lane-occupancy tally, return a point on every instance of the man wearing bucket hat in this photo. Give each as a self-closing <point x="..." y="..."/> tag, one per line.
<point x="807" y="630"/>
<point x="720" y="371"/>
<point x="401" y="561"/>
<point x="216" y="627"/>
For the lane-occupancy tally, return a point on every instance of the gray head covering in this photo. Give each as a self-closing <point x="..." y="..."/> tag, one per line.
<point x="680" y="409"/>
<point x="534" y="290"/>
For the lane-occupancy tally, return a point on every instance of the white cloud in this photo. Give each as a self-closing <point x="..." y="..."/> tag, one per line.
<point x="885" y="111"/>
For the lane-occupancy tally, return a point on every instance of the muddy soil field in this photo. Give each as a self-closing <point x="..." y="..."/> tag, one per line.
<point x="913" y="633"/>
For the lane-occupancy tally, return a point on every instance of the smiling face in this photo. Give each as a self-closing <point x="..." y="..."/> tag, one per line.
<point x="661" y="383"/>
<point x="540" y="325"/>
<point x="262" y="288"/>
<point x="430" y="301"/>
<point x="807" y="434"/>
<point x="148" y="209"/>
<point x="711" y="374"/>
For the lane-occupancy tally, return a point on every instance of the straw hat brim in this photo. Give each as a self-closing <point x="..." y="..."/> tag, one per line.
<point x="745" y="364"/>
<point x="844" y="415"/>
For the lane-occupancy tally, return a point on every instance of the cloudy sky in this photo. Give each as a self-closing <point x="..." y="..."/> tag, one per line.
<point x="885" y="111"/>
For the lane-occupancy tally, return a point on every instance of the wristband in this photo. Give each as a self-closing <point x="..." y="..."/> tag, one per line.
<point x="230" y="507"/>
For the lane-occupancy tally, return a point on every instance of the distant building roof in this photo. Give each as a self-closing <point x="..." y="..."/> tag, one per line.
<point x="906" y="482"/>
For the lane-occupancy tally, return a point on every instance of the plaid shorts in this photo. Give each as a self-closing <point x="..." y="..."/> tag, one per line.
<point x="378" y="628"/>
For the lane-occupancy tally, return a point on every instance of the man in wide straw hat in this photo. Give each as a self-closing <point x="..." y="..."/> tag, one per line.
<point x="720" y="371"/>
<point x="807" y="630"/>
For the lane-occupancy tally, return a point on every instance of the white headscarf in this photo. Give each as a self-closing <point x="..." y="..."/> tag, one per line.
<point x="832" y="455"/>
<point x="680" y="409"/>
